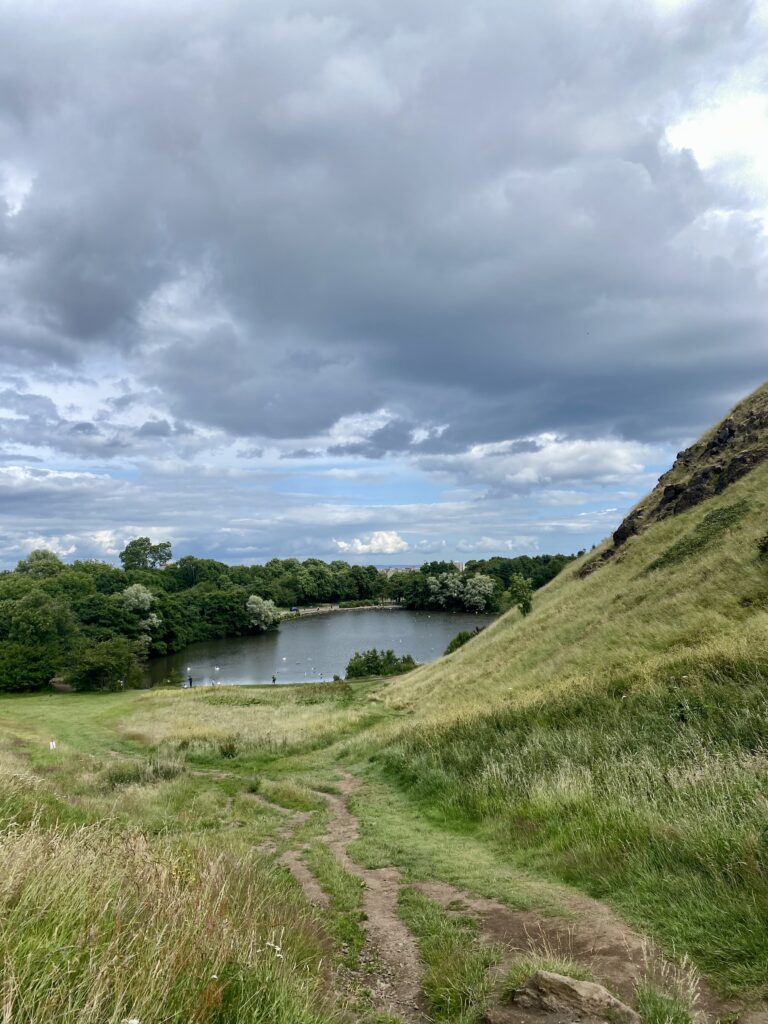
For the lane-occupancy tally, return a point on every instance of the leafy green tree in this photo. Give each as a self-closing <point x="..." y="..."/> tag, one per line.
<point x="437" y="568"/>
<point x="39" y="619"/>
<point x="141" y="553"/>
<point x="479" y="593"/>
<point x="137" y="598"/>
<point x="262" y="614"/>
<point x="40" y="564"/>
<point x="446" y="590"/>
<point x="109" y="665"/>
<point x="520" y="593"/>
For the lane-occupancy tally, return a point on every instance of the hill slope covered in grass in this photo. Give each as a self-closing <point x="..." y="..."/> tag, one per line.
<point x="617" y="737"/>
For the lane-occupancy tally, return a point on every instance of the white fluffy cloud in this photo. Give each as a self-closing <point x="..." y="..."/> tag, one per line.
<point x="548" y="460"/>
<point x="381" y="542"/>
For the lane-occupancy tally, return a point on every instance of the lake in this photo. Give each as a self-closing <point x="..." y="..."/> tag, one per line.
<point x="314" y="647"/>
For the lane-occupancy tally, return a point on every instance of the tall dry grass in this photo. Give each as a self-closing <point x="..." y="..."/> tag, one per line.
<point x="101" y="928"/>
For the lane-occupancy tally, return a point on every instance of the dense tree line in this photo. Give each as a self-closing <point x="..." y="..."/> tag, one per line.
<point x="92" y="624"/>
<point x="493" y="584"/>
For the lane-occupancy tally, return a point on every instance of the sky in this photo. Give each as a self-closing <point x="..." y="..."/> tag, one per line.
<point x="370" y="280"/>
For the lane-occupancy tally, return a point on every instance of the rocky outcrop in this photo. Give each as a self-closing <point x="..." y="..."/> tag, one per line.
<point x="573" y="1000"/>
<point x="720" y="458"/>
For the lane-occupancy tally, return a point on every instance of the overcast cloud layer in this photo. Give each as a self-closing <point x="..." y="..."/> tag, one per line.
<point x="380" y="281"/>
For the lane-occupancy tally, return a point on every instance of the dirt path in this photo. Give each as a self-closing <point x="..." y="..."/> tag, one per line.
<point x="589" y="933"/>
<point x="397" y="973"/>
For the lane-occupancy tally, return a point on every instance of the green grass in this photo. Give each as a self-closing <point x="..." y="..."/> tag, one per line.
<point x="129" y="885"/>
<point x="654" y="798"/>
<point x="670" y="996"/>
<point x="617" y="738"/>
<point x="456" y="980"/>
<point x="712" y="526"/>
<point x="345" y="892"/>
<point x="527" y="965"/>
<point x="657" y="1007"/>
<point x="98" y="927"/>
<point x="289" y="793"/>
<point x="395" y="830"/>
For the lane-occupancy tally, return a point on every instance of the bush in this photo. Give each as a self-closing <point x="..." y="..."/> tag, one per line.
<point x="229" y="746"/>
<point x="378" y="663"/>
<point x="461" y="638"/>
<point x="762" y="546"/>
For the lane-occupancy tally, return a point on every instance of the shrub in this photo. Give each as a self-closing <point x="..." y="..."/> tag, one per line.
<point x="461" y="638"/>
<point x="378" y="663"/>
<point x="229" y="746"/>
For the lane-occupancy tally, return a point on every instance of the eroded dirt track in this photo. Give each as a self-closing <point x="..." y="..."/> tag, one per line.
<point x="397" y="981"/>
<point x="588" y="932"/>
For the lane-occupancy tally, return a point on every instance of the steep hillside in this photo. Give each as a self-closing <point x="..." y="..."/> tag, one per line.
<point x="617" y="737"/>
<point x="690" y="580"/>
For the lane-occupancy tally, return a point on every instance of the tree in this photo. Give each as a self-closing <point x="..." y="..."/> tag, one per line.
<point x="141" y="553"/>
<point x="261" y="613"/>
<point x="110" y="665"/>
<point x="479" y="593"/>
<point x="462" y="638"/>
<point x="378" y="663"/>
<point x="137" y="598"/>
<point x="446" y="590"/>
<point x="40" y="564"/>
<point x="436" y="568"/>
<point x="520" y="593"/>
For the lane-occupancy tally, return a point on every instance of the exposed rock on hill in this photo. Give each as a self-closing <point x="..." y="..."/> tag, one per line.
<point x="723" y="455"/>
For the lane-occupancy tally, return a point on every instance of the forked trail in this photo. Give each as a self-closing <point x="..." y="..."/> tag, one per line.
<point x="589" y="932"/>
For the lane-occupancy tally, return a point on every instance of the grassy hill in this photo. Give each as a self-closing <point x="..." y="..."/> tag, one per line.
<point x="616" y="738"/>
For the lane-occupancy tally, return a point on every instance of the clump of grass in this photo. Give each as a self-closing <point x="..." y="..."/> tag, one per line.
<point x="455" y="978"/>
<point x="229" y="746"/>
<point x="98" y="928"/>
<point x="712" y="526"/>
<point x="289" y="793"/>
<point x="669" y="995"/>
<point x="142" y="772"/>
<point x="230" y="697"/>
<point x="345" y="892"/>
<point x="339" y="692"/>
<point x="544" y="958"/>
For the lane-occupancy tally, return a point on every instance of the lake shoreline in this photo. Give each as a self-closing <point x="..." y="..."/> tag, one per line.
<point x="313" y="646"/>
<point x="304" y="613"/>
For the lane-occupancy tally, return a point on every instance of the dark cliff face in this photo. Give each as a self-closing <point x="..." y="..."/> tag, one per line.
<point x="721" y="457"/>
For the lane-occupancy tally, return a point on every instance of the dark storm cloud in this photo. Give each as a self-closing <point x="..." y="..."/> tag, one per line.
<point x="346" y="231"/>
<point x="286" y="217"/>
<point x="396" y="436"/>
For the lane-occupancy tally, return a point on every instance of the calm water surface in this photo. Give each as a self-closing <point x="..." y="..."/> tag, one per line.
<point x="314" y="647"/>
